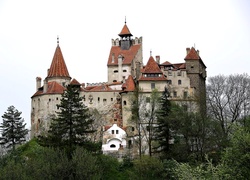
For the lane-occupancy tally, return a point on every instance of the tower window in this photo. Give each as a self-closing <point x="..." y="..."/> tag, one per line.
<point x="152" y="85"/>
<point x="124" y="70"/>
<point x="117" y="131"/>
<point x="113" y="131"/>
<point x="115" y="71"/>
<point x="185" y="94"/>
<point x="124" y="103"/>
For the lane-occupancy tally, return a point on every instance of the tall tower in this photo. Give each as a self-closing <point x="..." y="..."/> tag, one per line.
<point x="124" y="57"/>
<point x="46" y="97"/>
<point x="196" y="71"/>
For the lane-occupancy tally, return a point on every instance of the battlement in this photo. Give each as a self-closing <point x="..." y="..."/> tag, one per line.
<point x="116" y="42"/>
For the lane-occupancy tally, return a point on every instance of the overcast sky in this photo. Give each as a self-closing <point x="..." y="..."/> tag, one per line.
<point x="220" y="29"/>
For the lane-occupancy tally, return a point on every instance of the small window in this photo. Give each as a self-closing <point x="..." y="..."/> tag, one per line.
<point x="132" y="129"/>
<point x="175" y="94"/>
<point x="147" y="99"/>
<point x="113" y="131"/>
<point x="98" y="99"/>
<point x="117" y="131"/>
<point x="124" y="70"/>
<point x="49" y="99"/>
<point x="104" y="100"/>
<point x="115" y="71"/>
<point x="57" y="98"/>
<point x="185" y="94"/>
<point x="112" y="146"/>
<point x="115" y="119"/>
<point x="152" y="85"/>
<point x="111" y="99"/>
<point x="179" y="73"/>
<point x="124" y="103"/>
<point x="179" y="82"/>
<point x="169" y="81"/>
<point x="114" y="80"/>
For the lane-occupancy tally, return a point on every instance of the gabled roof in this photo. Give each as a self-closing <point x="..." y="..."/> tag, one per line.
<point x="192" y="54"/>
<point x="74" y="82"/>
<point x="53" y="88"/>
<point x="100" y="88"/>
<point x="129" y="85"/>
<point x="125" y="31"/>
<point x="152" y="66"/>
<point x="58" y="66"/>
<point x="166" y="63"/>
<point x="128" y="55"/>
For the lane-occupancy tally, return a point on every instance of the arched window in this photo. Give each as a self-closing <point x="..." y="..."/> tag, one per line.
<point x="112" y="146"/>
<point x="124" y="103"/>
<point x="179" y="82"/>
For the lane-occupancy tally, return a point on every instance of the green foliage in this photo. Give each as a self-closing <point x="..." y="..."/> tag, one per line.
<point x="148" y="167"/>
<point x="13" y="128"/>
<point x="72" y="125"/>
<point x="162" y="130"/>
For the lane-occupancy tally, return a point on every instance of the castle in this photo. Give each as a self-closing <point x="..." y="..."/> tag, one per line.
<point x="126" y="71"/>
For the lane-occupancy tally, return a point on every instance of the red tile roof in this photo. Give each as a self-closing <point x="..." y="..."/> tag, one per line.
<point x="74" y="82"/>
<point x="53" y="88"/>
<point x="100" y="88"/>
<point x="192" y="54"/>
<point x="58" y="67"/>
<point x="128" y="55"/>
<point x="125" y="31"/>
<point x="152" y="66"/>
<point x="129" y="85"/>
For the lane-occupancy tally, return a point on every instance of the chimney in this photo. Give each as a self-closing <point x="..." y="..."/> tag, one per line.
<point x="157" y="59"/>
<point x="38" y="83"/>
<point x="45" y="86"/>
<point x="198" y="52"/>
<point x="188" y="50"/>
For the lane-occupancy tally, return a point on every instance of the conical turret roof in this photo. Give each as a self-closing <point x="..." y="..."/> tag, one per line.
<point x="58" y="66"/>
<point x="125" y="31"/>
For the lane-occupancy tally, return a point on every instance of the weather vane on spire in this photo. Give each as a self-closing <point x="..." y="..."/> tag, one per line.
<point x="57" y="40"/>
<point x="150" y="52"/>
<point x="125" y="20"/>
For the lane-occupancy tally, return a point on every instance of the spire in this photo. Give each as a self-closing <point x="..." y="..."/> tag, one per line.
<point x="58" y="66"/>
<point x="125" y="31"/>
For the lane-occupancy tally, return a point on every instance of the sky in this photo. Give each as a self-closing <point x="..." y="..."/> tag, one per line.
<point x="219" y="29"/>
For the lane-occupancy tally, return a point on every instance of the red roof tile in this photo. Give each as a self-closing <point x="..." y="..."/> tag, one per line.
<point x="152" y="66"/>
<point x="53" y="88"/>
<point x="125" y="31"/>
<point x="74" y="82"/>
<point x="166" y="63"/>
<point x="192" y="54"/>
<point x="101" y="88"/>
<point x="58" y="67"/>
<point x="129" y="85"/>
<point x="128" y="55"/>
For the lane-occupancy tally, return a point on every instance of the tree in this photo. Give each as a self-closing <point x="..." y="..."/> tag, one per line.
<point x="163" y="132"/>
<point x="228" y="99"/>
<point x="73" y="124"/>
<point x="13" y="128"/>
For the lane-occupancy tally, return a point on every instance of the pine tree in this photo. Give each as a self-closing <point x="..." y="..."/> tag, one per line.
<point x="13" y="128"/>
<point x="73" y="124"/>
<point x="162" y="130"/>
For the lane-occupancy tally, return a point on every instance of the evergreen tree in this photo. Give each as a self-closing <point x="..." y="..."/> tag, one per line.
<point x="162" y="129"/>
<point x="73" y="124"/>
<point x="12" y="128"/>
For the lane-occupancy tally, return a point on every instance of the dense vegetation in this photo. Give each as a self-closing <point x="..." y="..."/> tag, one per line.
<point x="184" y="145"/>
